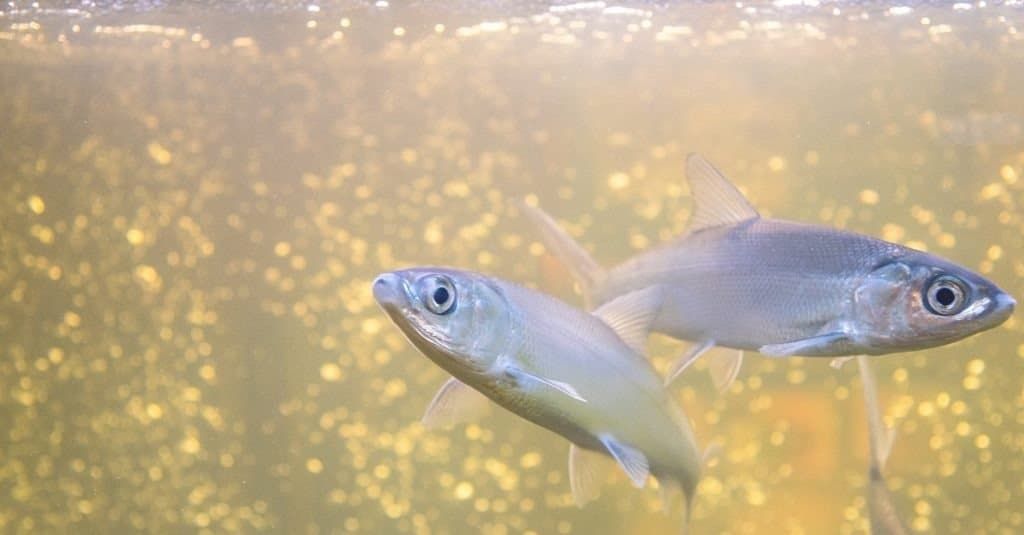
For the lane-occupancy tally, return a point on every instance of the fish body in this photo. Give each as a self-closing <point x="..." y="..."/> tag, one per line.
<point x="768" y="282"/>
<point x="883" y="515"/>
<point x="784" y="288"/>
<point x="569" y="371"/>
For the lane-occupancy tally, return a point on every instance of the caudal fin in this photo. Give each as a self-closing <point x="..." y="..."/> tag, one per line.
<point x="586" y="271"/>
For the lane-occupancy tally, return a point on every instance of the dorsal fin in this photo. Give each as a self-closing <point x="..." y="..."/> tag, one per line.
<point x="631" y="315"/>
<point x="583" y="267"/>
<point x="716" y="201"/>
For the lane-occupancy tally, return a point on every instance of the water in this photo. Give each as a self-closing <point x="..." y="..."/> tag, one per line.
<point x="196" y="197"/>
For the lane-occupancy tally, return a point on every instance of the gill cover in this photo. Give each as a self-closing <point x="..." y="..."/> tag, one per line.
<point x="921" y="301"/>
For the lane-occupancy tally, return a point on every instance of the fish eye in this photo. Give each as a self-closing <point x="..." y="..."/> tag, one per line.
<point x="438" y="294"/>
<point x="946" y="296"/>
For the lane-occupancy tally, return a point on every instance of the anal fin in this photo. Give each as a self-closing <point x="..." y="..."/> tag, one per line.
<point x="631" y="460"/>
<point x="807" y="346"/>
<point x="453" y="404"/>
<point x="585" y="474"/>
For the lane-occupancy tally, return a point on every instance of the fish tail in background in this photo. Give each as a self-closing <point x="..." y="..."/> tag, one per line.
<point x="688" y="511"/>
<point x="588" y="272"/>
<point x="880" y="438"/>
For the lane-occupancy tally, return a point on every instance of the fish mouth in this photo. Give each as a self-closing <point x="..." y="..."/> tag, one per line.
<point x="389" y="292"/>
<point x="1003" y="307"/>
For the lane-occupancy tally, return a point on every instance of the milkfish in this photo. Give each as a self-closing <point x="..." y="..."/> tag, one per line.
<point x="782" y="288"/>
<point x="582" y="375"/>
<point x="884" y="517"/>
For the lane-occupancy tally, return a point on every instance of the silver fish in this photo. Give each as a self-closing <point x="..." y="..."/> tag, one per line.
<point x="578" y="374"/>
<point x="884" y="517"/>
<point x="784" y="288"/>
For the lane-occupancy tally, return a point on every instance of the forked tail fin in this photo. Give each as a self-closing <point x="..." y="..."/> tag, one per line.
<point x="586" y="271"/>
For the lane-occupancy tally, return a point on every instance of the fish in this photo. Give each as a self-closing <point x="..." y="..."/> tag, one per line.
<point x="784" y="288"/>
<point x="581" y="375"/>
<point x="883" y="515"/>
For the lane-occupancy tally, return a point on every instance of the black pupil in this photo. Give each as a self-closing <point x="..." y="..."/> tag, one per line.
<point x="945" y="297"/>
<point x="441" y="296"/>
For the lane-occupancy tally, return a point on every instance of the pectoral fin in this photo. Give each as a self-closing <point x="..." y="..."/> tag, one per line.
<point x="630" y="459"/>
<point x="585" y="474"/>
<point x="525" y="377"/>
<point x="688" y="357"/>
<point x="453" y="404"/>
<point x="631" y="316"/>
<point x="807" y="346"/>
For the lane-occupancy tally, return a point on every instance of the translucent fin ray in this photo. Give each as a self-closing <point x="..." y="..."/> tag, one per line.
<point x="631" y="460"/>
<point x="806" y="346"/>
<point x="454" y="403"/>
<point x="585" y="474"/>
<point x="716" y="201"/>
<point x="632" y="315"/>
<point x="560" y="386"/>
<point x="725" y="368"/>
<point x="686" y="359"/>
<point x="583" y="267"/>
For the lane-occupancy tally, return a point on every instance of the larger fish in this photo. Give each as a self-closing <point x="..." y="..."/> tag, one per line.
<point x="784" y="288"/>
<point x="884" y="517"/>
<point x="578" y="374"/>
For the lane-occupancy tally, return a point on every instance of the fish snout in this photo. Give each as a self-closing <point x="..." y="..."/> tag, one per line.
<point x="388" y="290"/>
<point x="1004" y="306"/>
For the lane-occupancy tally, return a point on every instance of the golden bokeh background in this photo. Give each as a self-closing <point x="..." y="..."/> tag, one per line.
<point x="195" y="201"/>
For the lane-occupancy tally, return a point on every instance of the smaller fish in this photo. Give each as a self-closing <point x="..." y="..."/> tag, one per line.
<point x="885" y="518"/>
<point x="578" y="374"/>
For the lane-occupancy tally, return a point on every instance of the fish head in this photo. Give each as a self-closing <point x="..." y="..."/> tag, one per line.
<point x="918" y="301"/>
<point x="461" y="320"/>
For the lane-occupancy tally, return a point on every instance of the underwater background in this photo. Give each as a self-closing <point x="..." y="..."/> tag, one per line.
<point x="195" y="197"/>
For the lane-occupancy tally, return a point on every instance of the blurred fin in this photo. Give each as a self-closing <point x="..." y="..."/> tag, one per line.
<point x="687" y="358"/>
<point x="712" y="451"/>
<point x="453" y="404"/>
<point x="725" y="368"/>
<point x="814" y="344"/>
<point x="839" y="362"/>
<point x="583" y="267"/>
<point x="585" y="474"/>
<point x="631" y="460"/>
<point x="667" y="489"/>
<point x="631" y="316"/>
<point x="888" y="439"/>
<point x="880" y="438"/>
<point x="716" y="201"/>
